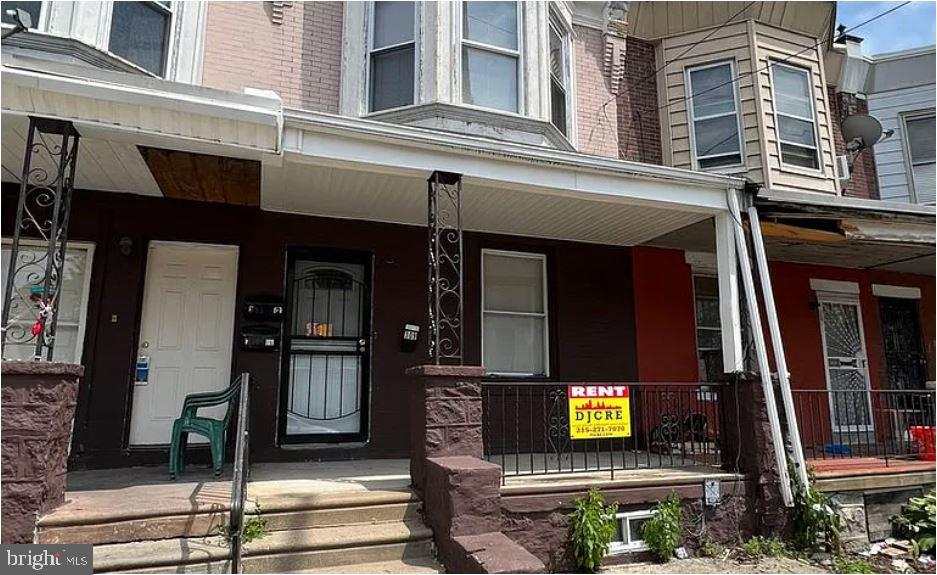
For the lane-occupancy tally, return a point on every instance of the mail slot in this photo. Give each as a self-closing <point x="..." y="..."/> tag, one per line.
<point x="263" y="308"/>
<point x="260" y="338"/>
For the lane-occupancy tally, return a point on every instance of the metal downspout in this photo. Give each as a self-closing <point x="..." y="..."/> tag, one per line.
<point x="761" y="353"/>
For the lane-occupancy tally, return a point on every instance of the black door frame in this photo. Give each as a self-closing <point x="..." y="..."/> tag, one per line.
<point x="326" y="255"/>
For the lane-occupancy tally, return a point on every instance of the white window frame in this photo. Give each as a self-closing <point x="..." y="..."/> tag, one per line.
<point x="518" y="54"/>
<point x="545" y="314"/>
<point x="88" y="247"/>
<point x="371" y="51"/>
<point x="906" y="117"/>
<point x="556" y="22"/>
<point x="692" y="119"/>
<point x="41" y="23"/>
<point x="170" y="37"/>
<point x="625" y="517"/>
<point x="808" y="72"/>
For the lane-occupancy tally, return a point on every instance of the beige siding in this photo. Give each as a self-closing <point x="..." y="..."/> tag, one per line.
<point x="729" y="43"/>
<point x="774" y="44"/>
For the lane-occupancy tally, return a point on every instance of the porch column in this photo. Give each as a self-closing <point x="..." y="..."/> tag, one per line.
<point x="730" y="317"/>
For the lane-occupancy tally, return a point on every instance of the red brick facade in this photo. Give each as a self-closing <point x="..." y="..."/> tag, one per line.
<point x="597" y="113"/>
<point x="638" y="117"/>
<point x="863" y="180"/>
<point x="297" y="54"/>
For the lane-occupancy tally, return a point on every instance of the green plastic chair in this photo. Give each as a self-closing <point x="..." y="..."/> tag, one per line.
<point x="213" y="429"/>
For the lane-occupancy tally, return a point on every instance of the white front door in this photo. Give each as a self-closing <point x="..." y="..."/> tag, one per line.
<point x="846" y="364"/>
<point x="186" y="334"/>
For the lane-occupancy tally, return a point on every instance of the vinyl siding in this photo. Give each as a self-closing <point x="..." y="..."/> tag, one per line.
<point x="890" y="158"/>
<point x="772" y="45"/>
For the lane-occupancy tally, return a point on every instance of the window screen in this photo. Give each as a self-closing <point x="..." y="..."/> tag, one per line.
<point x="793" y="103"/>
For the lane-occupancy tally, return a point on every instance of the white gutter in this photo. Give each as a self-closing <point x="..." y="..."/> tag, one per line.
<point x="777" y="344"/>
<point x="420" y="137"/>
<point x="758" y="335"/>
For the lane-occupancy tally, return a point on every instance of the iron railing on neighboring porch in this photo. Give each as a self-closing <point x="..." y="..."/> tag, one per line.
<point x="526" y="429"/>
<point x="241" y="472"/>
<point x="881" y="424"/>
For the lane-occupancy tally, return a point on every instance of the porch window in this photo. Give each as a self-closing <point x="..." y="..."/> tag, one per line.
<point x="392" y="55"/>
<point x="559" y="75"/>
<point x="629" y="536"/>
<point x="140" y="33"/>
<point x="708" y="328"/>
<point x="919" y="134"/>
<point x="714" y="116"/>
<point x="33" y="8"/>
<point x="490" y="54"/>
<point x="73" y="302"/>
<point x="514" y="313"/>
<point x="793" y="109"/>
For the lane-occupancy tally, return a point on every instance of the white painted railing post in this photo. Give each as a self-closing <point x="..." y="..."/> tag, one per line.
<point x="730" y="317"/>
<point x="761" y="353"/>
<point x="780" y="360"/>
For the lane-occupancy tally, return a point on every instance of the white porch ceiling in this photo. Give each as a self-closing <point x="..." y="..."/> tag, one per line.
<point x="103" y="164"/>
<point x="348" y="193"/>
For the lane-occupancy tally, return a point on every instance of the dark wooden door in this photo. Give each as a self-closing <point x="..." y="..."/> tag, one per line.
<point x="901" y="338"/>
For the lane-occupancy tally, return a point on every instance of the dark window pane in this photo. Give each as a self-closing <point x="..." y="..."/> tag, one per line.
<point x="393" y="23"/>
<point x="32" y="8"/>
<point x="392" y="78"/>
<point x="713" y="90"/>
<point x="489" y="79"/>
<point x="558" y="105"/>
<point x="796" y="131"/>
<point x="492" y="23"/>
<point x="720" y="161"/>
<point x="797" y="156"/>
<point x="716" y="136"/>
<point x="921" y="139"/>
<point x="139" y="33"/>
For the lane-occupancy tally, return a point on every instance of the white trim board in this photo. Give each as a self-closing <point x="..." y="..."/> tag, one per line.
<point x="901" y="292"/>
<point x="834" y="286"/>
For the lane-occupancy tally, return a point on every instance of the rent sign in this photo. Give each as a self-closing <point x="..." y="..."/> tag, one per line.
<point x="599" y="411"/>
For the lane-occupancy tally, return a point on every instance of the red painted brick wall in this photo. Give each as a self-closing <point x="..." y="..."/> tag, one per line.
<point x="300" y="58"/>
<point x="638" y="118"/>
<point x="864" y="181"/>
<point x="597" y="113"/>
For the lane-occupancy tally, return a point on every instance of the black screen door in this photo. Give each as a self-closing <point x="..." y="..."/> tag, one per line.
<point x="326" y="347"/>
<point x="901" y="339"/>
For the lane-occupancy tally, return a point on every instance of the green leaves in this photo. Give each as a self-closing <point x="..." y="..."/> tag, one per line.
<point x="917" y="520"/>
<point x="816" y="521"/>
<point x="662" y="531"/>
<point x="592" y="529"/>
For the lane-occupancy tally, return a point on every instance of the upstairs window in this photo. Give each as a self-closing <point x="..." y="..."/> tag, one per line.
<point x="392" y="55"/>
<point x="793" y="109"/>
<point x="919" y="135"/>
<point x="514" y="313"/>
<point x="31" y="8"/>
<point x="140" y="33"/>
<point x="714" y="118"/>
<point x="559" y="76"/>
<point x="490" y="54"/>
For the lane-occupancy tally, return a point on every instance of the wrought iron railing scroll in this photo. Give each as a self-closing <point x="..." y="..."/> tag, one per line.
<point x="444" y="224"/>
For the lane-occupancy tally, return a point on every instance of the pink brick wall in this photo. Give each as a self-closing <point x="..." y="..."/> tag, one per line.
<point x="638" y="116"/>
<point x="597" y="126"/>
<point x="300" y="58"/>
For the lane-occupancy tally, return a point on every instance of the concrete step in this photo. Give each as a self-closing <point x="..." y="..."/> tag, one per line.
<point x="79" y="521"/>
<point x="278" y="552"/>
<point x="415" y="565"/>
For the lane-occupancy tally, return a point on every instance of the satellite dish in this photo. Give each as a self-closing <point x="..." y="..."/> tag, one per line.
<point x="861" y="131"/>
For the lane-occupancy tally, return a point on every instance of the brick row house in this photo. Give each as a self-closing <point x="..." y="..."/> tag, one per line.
<point x="252" y="193"/>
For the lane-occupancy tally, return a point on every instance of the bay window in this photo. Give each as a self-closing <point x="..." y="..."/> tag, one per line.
<point x="714" y="116"/>
<point x="919" y="143"/>
<point x="140" y="33"/>
<point x="392" y="55"/>
<point x="794" y="116"/>
<point x="559" y="76"/>
<point x="491" y="54"/>
<point x="514" y="314"/>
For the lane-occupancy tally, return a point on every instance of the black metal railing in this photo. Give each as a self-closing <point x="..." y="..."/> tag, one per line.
<point x="526" y="429"/>
<point x="882" y="424"/>
<point x="239" y="477"/>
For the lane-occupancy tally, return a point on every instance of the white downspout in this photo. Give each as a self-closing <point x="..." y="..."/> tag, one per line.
<point x="761" y="353"/>
<point x="780" y="360"/>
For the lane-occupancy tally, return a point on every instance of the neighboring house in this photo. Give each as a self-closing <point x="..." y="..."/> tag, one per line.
<point x="278" y="154"/>
<point x="901" y="94"/>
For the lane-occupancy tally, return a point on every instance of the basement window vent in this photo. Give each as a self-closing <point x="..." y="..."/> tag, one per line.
<point x="630" y="535"/>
